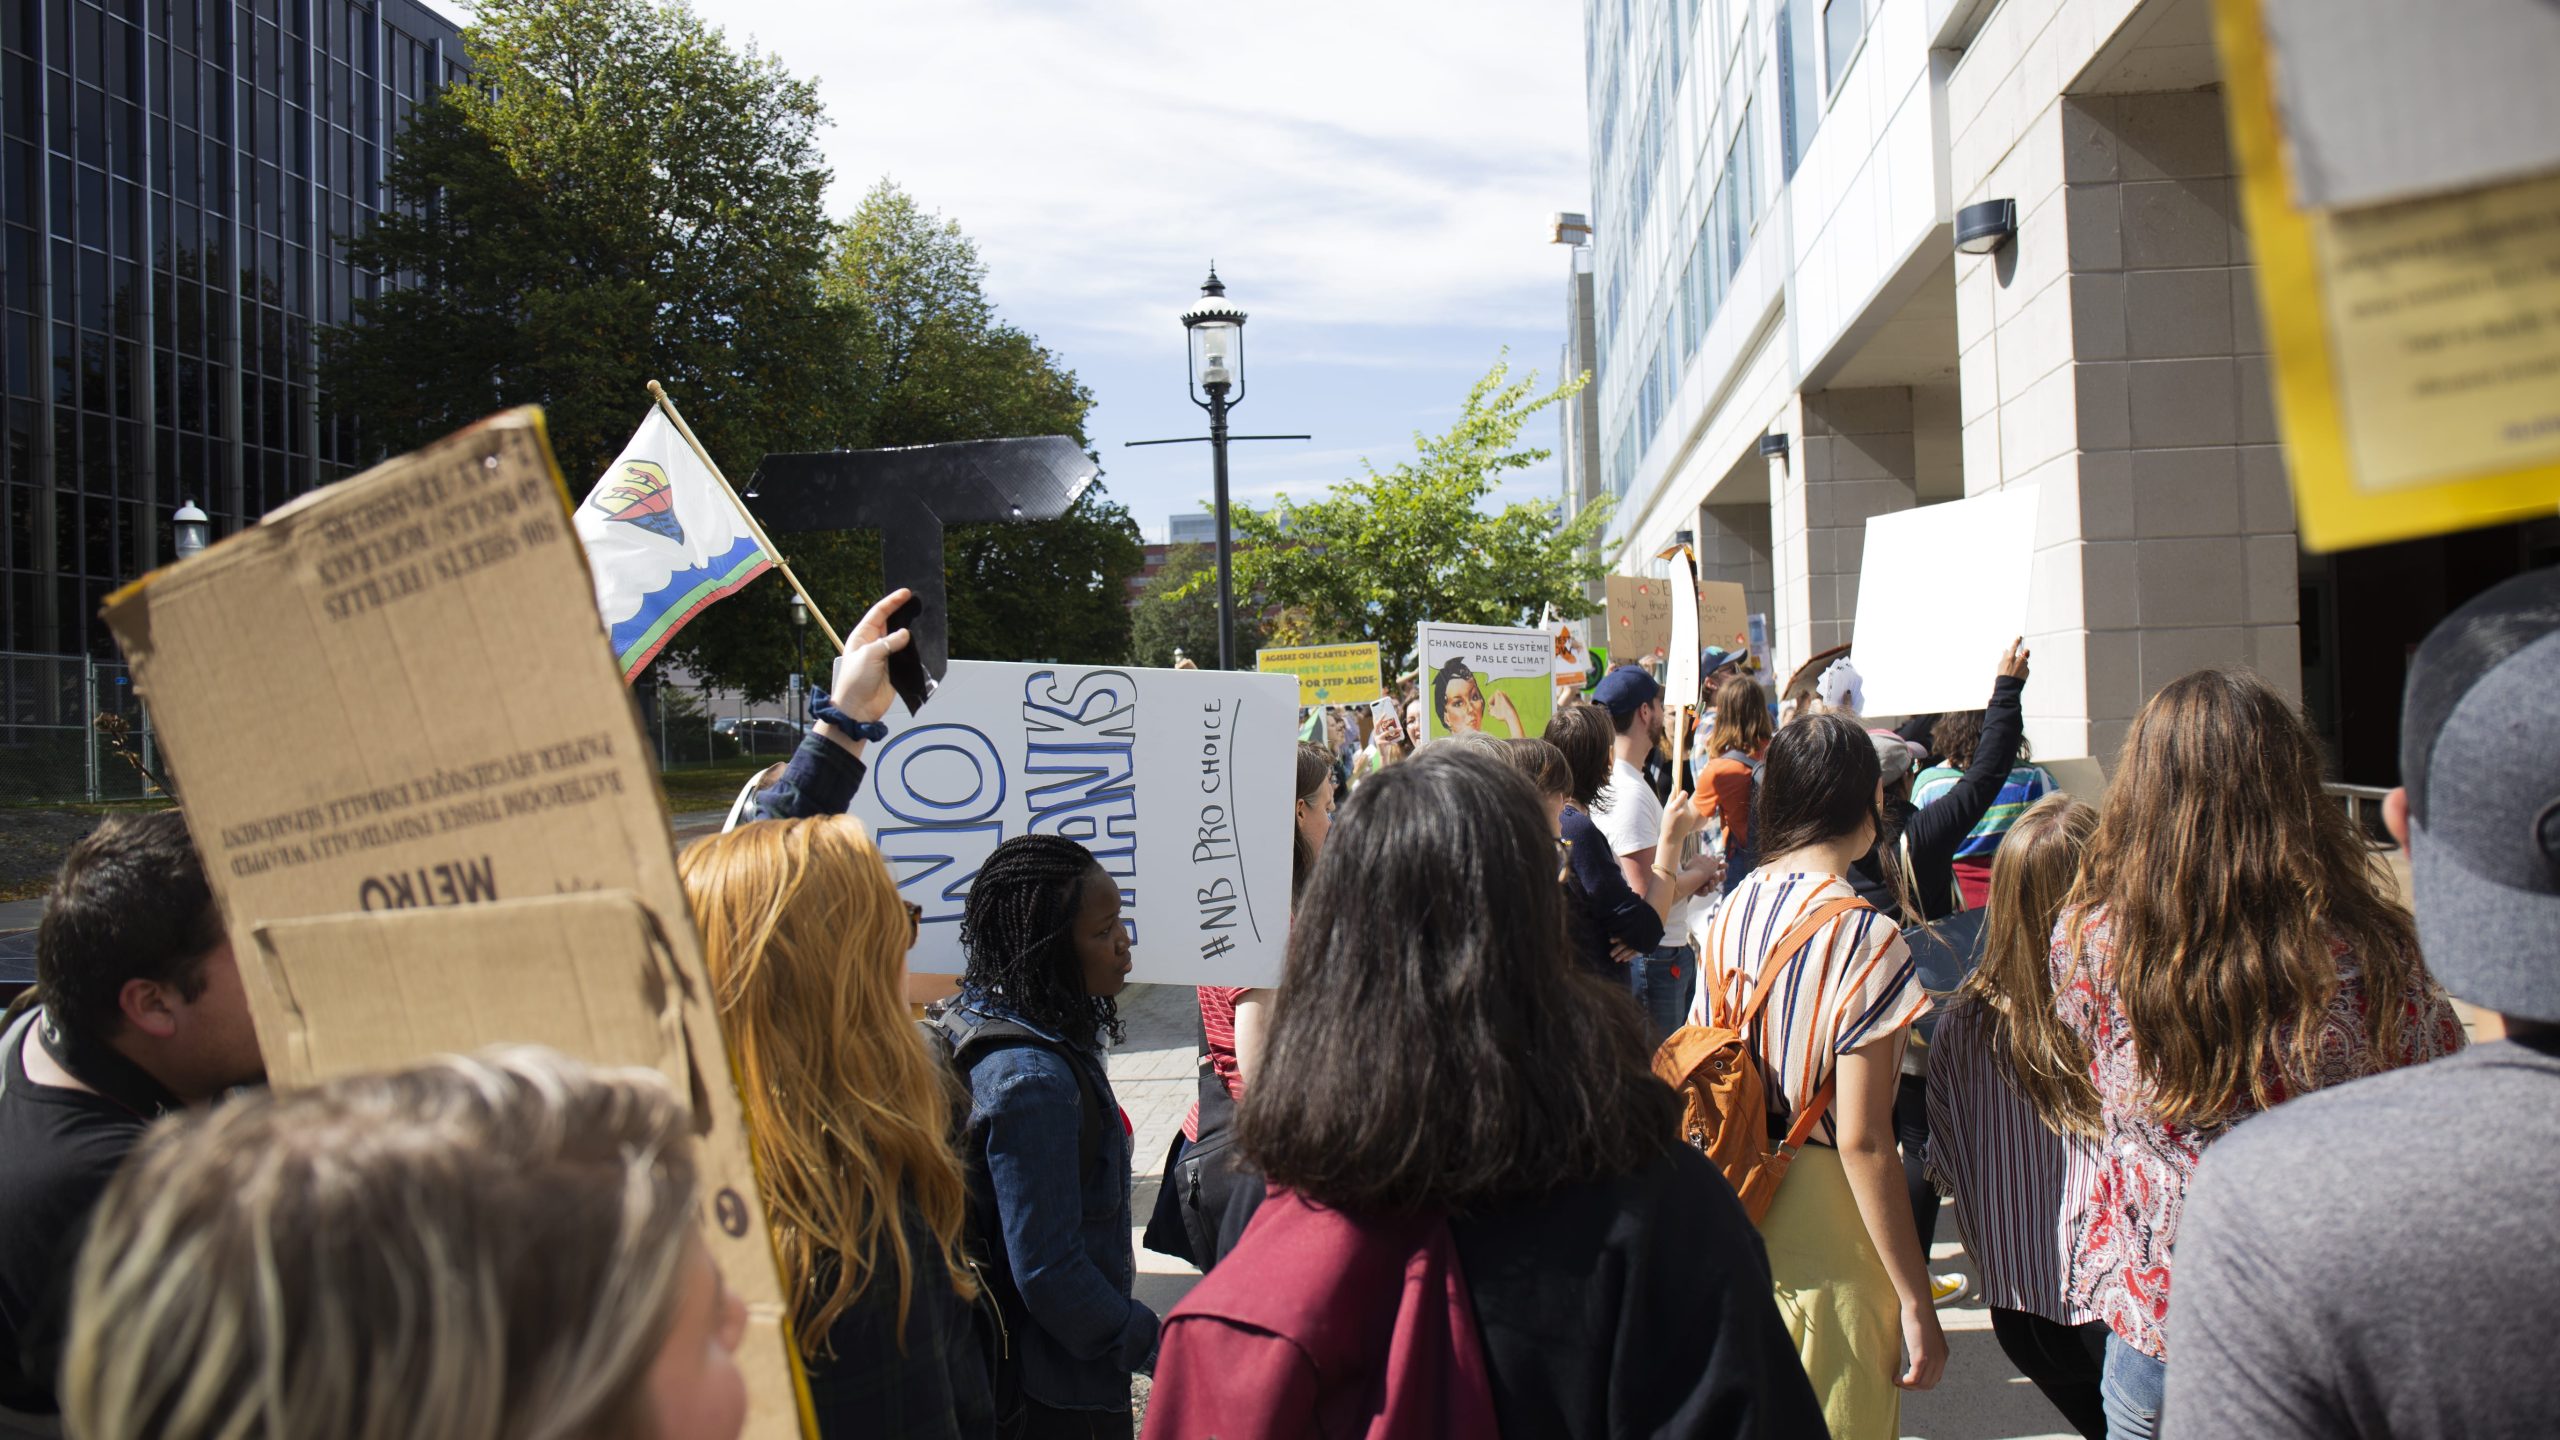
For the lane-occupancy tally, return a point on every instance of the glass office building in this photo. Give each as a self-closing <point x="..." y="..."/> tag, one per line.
<point x="180" y="180"/>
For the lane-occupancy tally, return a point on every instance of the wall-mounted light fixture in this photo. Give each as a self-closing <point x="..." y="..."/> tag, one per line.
<point x="1983" y="228"/>
<point x="1773" y="446"/>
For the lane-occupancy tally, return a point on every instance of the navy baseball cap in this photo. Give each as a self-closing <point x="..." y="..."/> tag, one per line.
<point x="2480" y="758"/>
<point x="1623" y="691"/>
<point x="1716" y="657"/>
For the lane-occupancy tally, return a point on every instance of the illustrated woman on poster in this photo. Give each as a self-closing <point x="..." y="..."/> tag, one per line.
<point x="1461" y="704"/>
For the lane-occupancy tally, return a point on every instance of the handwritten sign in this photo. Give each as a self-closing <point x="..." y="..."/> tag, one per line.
<point x="1178" y="781"/>
<point x="1327" y="674"/>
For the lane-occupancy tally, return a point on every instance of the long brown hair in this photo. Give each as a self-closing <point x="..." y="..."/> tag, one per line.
<point x="849" y="1115"/>
<point x="2227" y="878"/>
<point x="1742" y="718"/>
<point x="1315" y="776"/>
<point x="2031" y="877"/>
<point x="1435" y="1047"/>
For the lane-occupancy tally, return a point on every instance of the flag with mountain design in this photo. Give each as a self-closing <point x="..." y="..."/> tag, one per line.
<point x="664" y="538"/>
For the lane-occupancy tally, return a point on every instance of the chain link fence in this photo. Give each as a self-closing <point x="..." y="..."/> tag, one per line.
<point x="72" y="730"/>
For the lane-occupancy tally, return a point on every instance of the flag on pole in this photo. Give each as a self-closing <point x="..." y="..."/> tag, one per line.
<point x="664" y="538"/>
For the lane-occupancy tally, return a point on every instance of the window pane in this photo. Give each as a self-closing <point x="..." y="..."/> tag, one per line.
<point x="1841" y="22"/>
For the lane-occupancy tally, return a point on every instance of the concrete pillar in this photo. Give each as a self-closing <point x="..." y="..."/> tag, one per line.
<point x="1851" y="459"/>
<point x="2111" y="357"/>
<point x="1733" y="546"/>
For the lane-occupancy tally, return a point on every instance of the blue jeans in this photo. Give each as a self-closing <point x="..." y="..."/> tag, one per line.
<point x="2131" y="1391"/>
<point x="1663" y="983"/>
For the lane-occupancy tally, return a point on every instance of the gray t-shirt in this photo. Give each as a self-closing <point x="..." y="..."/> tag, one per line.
<point x="2380" y="1259"/>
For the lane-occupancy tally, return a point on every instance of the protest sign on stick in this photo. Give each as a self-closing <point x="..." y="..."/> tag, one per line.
<point x="1327" y="674"/>
<point x="1494" y="679"/>
<point x="1639" y="614"/>
<point x="428" y="814"/>
<point x="1724" y="618"/>
<point x="1181" y="782"/>
<point x="1572" y="650"/>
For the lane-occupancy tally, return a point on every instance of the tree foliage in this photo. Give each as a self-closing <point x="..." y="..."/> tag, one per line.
<point x="1173" y="613"/>
<point x="930" y="361"/>
<point x="1384" y="551"/>
<point x="619" y="194"/>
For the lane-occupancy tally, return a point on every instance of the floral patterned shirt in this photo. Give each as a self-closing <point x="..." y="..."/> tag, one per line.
<point x="2120" y="1258"/>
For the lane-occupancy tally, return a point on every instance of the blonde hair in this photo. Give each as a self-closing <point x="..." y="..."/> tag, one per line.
<point x="2031" y="876"/>
<point x="2227" y="878"/>
<point x="471" y="1249"/>
<point x="849" y="1114"/>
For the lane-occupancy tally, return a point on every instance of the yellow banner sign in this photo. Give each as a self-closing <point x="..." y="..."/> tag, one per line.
<point x="1327" y="674"/>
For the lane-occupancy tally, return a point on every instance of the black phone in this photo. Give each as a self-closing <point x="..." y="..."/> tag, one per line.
<point x="906" y="667"/>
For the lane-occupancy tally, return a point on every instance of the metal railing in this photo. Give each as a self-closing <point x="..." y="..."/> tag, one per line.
<point x="72" y="729"/>
<point x="2364" y="807"/>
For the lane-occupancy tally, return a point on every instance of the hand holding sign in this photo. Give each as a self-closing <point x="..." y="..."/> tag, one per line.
<point x="862" y="687"/>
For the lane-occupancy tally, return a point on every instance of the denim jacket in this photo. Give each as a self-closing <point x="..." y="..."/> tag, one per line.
<point x="1075" y="1266"/>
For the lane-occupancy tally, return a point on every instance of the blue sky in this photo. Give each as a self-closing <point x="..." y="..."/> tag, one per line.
<point x="1373" y="180"/>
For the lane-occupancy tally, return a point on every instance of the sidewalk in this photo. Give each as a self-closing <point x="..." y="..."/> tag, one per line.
<point x="1981" y="1398"/>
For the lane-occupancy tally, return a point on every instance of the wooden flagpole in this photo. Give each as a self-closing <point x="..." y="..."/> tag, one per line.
<point x="658" y="393"/>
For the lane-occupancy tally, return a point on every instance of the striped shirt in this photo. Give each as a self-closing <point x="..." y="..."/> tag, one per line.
<point x="2025" y="786"/>
<point x="2021" y="1191"/>
<point x="1853" y="982"/>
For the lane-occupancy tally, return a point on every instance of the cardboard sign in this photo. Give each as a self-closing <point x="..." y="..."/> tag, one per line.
<point x="2415" y="358"/>
<point x="1930" y="636"/>
<point x="1327" y="674"/>
<point x="1639" y="612"/>
<point x="427" y="811"/>
<point x="1181" y="782"/>
<point x="1724" y="618"/>
<point x="1639" y="617"/>
<point x="1498" y="680"/>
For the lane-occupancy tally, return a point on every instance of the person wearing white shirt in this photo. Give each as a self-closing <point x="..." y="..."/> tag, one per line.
<point x="1630" y="815"/>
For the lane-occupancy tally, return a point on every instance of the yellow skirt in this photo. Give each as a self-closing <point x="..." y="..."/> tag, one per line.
<point x="1837" y="1300"/>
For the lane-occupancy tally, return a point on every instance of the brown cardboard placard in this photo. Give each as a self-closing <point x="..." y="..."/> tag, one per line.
<point x="1639" y="617"/>
<point x="392" y="711"/>
<point x="1724" y="615"/>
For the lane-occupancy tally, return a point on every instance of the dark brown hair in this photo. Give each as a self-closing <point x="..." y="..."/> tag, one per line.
<point x="1958" y="732"/>
<point x="1435" y="1047"/>
<point x="1542" y="763"/>
<point x="2226" y="877"/>
<point x="131" y="903"/>
<point x="1818" y="784"/>
<point x="1315" y="776"/>
<point x="1588" y="737"/>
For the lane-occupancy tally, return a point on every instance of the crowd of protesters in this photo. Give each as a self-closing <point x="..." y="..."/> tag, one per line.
<point x="2178" y="1055"/>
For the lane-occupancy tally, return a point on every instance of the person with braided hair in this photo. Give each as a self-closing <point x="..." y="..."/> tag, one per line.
<point x="1046" y="1144"/>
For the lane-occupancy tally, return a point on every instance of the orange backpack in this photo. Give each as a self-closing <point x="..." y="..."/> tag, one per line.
<point x="1724" y="1102"/>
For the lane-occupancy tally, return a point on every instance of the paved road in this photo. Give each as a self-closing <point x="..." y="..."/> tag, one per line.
<point x="1981" y="1398"/>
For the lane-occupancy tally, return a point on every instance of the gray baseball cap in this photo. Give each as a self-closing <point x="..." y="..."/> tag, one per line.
<point x="2480" y="757"/>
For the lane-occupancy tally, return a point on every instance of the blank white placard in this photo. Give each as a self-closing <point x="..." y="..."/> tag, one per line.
<point x="1942" y="590"/>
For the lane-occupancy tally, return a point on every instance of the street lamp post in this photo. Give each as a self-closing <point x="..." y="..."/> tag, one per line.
<point x="1216" y="326"/>
<point x="800" y="654"/>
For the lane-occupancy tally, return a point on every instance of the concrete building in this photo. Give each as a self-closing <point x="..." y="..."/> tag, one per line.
<point x="180" y="179"/>
<point x="1774" y="183"/>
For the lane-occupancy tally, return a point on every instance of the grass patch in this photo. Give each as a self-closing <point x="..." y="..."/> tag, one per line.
<point x="712" y="786"/>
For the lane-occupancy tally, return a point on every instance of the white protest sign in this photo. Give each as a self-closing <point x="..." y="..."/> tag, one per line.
<point x="1181" y="782"/>
<point x="1573" y="648"/>
<point x="1942" y="591"/>
<point x="1680" y="676"/>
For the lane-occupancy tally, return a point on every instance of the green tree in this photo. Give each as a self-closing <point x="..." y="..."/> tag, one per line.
<point x="932" y="362"/>
<point x="619" y="194"/>
<point x="1384" y="551"/>
<point x="1173" y="613"/>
